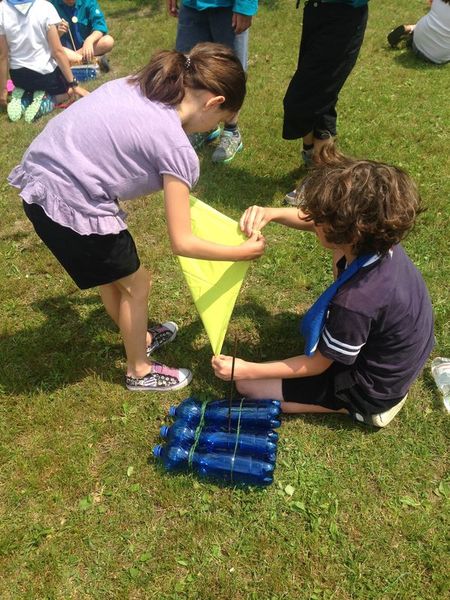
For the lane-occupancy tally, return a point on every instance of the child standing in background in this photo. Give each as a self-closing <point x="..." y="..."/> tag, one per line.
<point x="368" y="336"/>
<point x="223" y="22"/>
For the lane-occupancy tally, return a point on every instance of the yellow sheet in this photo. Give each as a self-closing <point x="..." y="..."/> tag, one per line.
<point x="214" y="284"/>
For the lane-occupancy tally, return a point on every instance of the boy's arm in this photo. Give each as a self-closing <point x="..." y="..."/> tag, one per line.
<point x="297" y="366"/>
<point x="88" y="45"/>
<point x="3" y="71"/>
<point x="243" y="11"/>
<point x="256" y="217"/>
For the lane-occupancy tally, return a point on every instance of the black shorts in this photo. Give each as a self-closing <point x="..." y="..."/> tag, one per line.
<point x="90" y="260"/>
<point x="335" y="388"/>
<point x="53" y="83"/>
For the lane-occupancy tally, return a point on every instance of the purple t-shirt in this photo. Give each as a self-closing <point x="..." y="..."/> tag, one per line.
<point x="112" y="145"/>
<point x="381" y="323"/>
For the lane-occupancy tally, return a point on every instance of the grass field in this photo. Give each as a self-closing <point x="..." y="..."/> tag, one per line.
<point x="353" y="513"/>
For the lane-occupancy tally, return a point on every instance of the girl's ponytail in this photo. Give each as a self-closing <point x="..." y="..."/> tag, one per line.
<point x="211" y="67"/>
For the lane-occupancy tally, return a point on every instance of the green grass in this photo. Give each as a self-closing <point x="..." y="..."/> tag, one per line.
<point x="353" y="513"/>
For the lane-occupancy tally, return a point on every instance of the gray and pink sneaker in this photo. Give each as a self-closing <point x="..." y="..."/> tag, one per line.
<point x="161" y="334"/>
<point x="160" y="379"/>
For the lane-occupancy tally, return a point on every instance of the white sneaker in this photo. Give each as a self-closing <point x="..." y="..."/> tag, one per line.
<point x="382" y="419"/>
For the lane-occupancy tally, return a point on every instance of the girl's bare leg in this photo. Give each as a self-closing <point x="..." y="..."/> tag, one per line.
<point x="126" y="301"/>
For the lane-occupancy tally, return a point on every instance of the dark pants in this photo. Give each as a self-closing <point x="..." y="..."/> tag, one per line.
<point x="332" y="36"/>
<point x="53" y="83"/>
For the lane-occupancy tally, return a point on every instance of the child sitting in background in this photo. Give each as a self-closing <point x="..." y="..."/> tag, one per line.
<point x="369" y="335"/>
<point x="83" y="24"/>
<point x="38" y="66"/>
<point x="429" y="38"/>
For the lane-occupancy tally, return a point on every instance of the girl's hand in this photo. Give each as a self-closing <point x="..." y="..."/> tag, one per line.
<point x="254" y="219"/>
<point x="253" y="247"/>
<point x="222" y="366"/>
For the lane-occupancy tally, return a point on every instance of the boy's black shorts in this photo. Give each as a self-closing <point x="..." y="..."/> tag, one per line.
<point x="91" y="260"/>
<point x="335" y="388"/>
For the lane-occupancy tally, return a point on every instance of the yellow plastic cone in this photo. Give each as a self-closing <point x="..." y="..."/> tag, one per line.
<point x="214" y="284"/>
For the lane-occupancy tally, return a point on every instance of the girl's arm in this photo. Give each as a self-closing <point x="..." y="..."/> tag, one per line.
<point x="185" y="243"/>
<point x="60" y="56"/>
<point x="255" y="217"/>
<point x="297" y="366"/>
<point x="3" y="70"/>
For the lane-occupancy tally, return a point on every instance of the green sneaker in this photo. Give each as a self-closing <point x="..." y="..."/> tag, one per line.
<point x="35" y="106"/>
<point x="230" y="143"/>
<point x="14" y="108"/>
<point x="198" y="140"/>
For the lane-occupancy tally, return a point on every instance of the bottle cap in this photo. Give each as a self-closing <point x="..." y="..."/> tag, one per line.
<point x="164" y="431"/>
<point x="157" y="450"/>
<point x="172" y="411"/>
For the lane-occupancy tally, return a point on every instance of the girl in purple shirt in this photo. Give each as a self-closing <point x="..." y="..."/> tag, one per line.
<point x="71" y="187"/>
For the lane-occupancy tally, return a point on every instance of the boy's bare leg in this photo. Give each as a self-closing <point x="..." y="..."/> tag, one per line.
<point x="272" y="388"/>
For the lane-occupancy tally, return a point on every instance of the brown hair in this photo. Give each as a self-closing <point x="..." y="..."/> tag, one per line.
<point x="367" y="204"/>
<point x="211" y="67"/>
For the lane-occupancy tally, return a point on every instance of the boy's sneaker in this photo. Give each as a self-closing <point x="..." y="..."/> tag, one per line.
<point x="160" y="379"/>
<point x="382" y="419"/>
<point x="230" y="143"/>
<point x="33" y="109"/>
<point x="291" y="198"/>
<point x="198" y="140"/>
<point x="397" y="35"/>
<point x="103" y="63"/>
<point x="14" y="108"/>
<point x="308" y="160"/>
<point x="161" y="334"/>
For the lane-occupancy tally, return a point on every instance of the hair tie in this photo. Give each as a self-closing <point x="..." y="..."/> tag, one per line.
<point x="187" y="64"/>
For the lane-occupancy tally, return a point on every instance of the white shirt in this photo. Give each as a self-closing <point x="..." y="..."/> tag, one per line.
<point x="432" y="33"/>
<point x="26" y="35"/>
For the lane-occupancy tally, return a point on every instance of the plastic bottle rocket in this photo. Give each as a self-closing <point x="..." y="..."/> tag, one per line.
<point x="440" y="369"/>
<point x="258" y="445"/>
<point x="222" y="467"/>
<point x="252" y="415"/>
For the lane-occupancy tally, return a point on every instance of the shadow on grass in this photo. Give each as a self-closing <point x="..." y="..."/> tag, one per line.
<point x="409" y="60"/>
<point x="60" y="351"/>
<point x="136" y="6"/>
<point x="236" y="187"/>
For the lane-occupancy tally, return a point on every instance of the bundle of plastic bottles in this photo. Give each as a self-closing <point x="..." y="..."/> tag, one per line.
<point x="232" y="443"/>
<point x="85" y="72"/>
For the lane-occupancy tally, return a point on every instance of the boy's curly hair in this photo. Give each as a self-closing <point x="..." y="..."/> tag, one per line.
<point x="367" y="204"/>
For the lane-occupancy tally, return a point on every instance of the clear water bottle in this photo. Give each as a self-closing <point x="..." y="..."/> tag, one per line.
<point x="253" y="415"/>
<point x="221" y="467"/>
<point x="259" y="445"/>
<point x="440" y="369"/>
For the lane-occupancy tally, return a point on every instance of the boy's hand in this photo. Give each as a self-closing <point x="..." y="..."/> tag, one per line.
<point x="253" y="247"/>
<point x="172" y="8"/>
<point x="240" y="23"/>
<point x="62" y="27"/>
<point x="88" y="51"/>
<point x="254" y="219"/>
<point x="222" y="366"/>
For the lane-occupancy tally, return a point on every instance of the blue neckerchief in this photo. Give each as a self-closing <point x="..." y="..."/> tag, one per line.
<point x="313" y="322"/>
<point x="77" y="37"/>
<point x="23" y="6"/>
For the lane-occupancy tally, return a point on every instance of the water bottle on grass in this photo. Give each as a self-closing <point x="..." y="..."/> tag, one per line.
<point x="261" y="445"/>
<point x="440" y="369"/>
<point x="218" y="466"/>
<point x="253" y="415"/>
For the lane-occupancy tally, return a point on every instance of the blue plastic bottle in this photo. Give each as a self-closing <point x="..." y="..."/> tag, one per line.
<point x="262" y="445"/>
<point x="254" y="415"/>
<point x="218" y="466"/>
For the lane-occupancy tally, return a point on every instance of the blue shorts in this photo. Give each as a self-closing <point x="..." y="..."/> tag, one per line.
<point x="210" y="25"/>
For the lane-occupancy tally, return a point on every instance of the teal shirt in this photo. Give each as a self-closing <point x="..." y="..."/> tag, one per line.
<point x="243" y="7"/>
<point x="90" y="18"/>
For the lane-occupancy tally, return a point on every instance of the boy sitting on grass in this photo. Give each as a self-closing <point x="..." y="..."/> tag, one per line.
<point x="369" y="335"/>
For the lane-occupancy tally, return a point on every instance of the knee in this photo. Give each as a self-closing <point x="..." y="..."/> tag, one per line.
<point x="244" y="388"/>
<point x="108" y="42"/>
